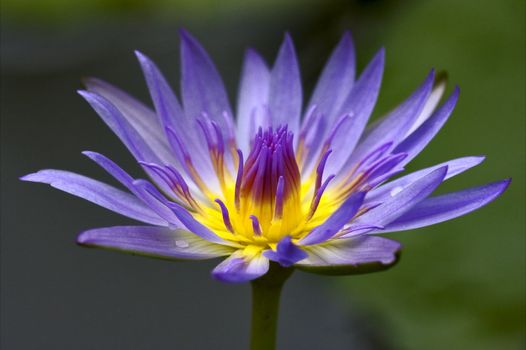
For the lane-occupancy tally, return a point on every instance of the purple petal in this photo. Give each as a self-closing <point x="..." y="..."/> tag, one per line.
<point x="416" y="142"/>
<point x="159" y="242"/>
<point x="336" y="221"/>
<point x="156" y="201"/>
<point x="113" y="169"/>
<point x="383" y="168"/>
<point x="445" y="207"/>
<point x="120" y="126"/>
<point x="253" y="99"/>
<point x="174" y="119"/>
<point x="167" y="105"/>
<point x="285" y="94"/>
<point x="454" y="167"/>
<point x="140" y="117"/>
<point x="358" y="106"/>
<point x="201" y="85"/>
<point x="286" y="254"/>
<point x="395" y="125"/>
<point x="351" y="256"/>
<point x="334" y="139"/>
<point x="336" y="80"/>
<point x="239" y="268"/>
<point x="432" y="102"/>
<point x="125" y="131"/>
<point x="313" y="132"/>
<point x="170" y="210"/>
<point x="196" y="227"/>
<point x="395" y="206"/>
<point x="99" y="193"/>
<point x="354" y="230"/>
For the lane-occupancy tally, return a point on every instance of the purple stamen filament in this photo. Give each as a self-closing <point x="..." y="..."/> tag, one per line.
<point x="225" y="214"/>
<point x="256" y="227"/>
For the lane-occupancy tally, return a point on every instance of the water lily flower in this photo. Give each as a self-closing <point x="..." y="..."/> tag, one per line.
<point x="309" y="188"/>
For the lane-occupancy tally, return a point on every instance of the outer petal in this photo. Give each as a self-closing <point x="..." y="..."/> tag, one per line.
<point x="140" y="117"/>
<point x="175" y="213"/>
<point x="167" y="105"/>
<point x="121" y="127"/>
<point x="125" y="131"/>
<point x="158" y="242"/>
<point x="113" y="169"/>
<point x="395" y="125"/>
<point x="454" y="167"/>
<point x="286" y="254"/>
<point x="201" y="85"/>
<point x="196" y="227"/>
<point x="395" y="206"/>
<point x="356" y="255"/>
<point x="285" y="95"/>
<point x="174" y="119"/>
<point x="358" y="106"/>
<point x="336" y="80"/>
<point x="156" y="201"/>
<point x="432" y="102"/>
<point x="239" y="268"/>
<point x="99" y="193"/>
<point x="416" y="142"/>
<point x="164" y="100"/>
<point x="336" y="221"/>
<point x="433" y="210"/>
<point x="252" y="109"/>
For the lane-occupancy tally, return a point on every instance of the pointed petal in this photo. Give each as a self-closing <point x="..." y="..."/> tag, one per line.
<point x="349" y="256"/>
<point x="285" y="95"/>
<point x="394" y="126"/>
<point x="166" y="104"/>
<point x="286" y="254"/>
<point x="454" y="167"/>
<point x="445" y="207"/>
<point x="140" y="117"/>
<point x="439" y="88"/>
<point x="336" y="80"/>
<point x="97" y="192"/>
<point x="112" y="168"/>
<point x="395" y="206"/>
<point x="125" y="131"/>
<point x="193" y="225"/>
<point x="336" y="221"/>
<point x="239" y="268"/>
<point x="419" y="139"/>
<point x="174" y="212"/>
<point x="156" y="201"/>
<point x="358" y="106"/>
<point x="253" y="99"/>
<point x="157" y="242"/>
<point x="174" y="120"/>
<point x="120" y="126"/>
<point x="201" y="86"/>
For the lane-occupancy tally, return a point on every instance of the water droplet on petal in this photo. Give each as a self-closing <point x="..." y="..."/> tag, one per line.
<point x="181" y="244"/>
<point x="396" y="190"/>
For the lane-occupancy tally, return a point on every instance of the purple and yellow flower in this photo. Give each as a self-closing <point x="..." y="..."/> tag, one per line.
<point x="310" y="188"/>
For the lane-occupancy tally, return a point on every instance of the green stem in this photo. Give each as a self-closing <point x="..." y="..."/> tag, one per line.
<point x="266" y="291"/>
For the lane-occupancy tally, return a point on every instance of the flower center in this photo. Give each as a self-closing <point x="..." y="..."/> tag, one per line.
<point x="267" y="200"/>
<point x="268" y="194"/>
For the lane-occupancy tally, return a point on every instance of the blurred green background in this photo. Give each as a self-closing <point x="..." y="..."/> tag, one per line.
<point x="460" y="284"/>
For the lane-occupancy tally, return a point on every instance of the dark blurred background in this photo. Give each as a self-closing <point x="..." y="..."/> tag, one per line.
<point x="459" y="285"/>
